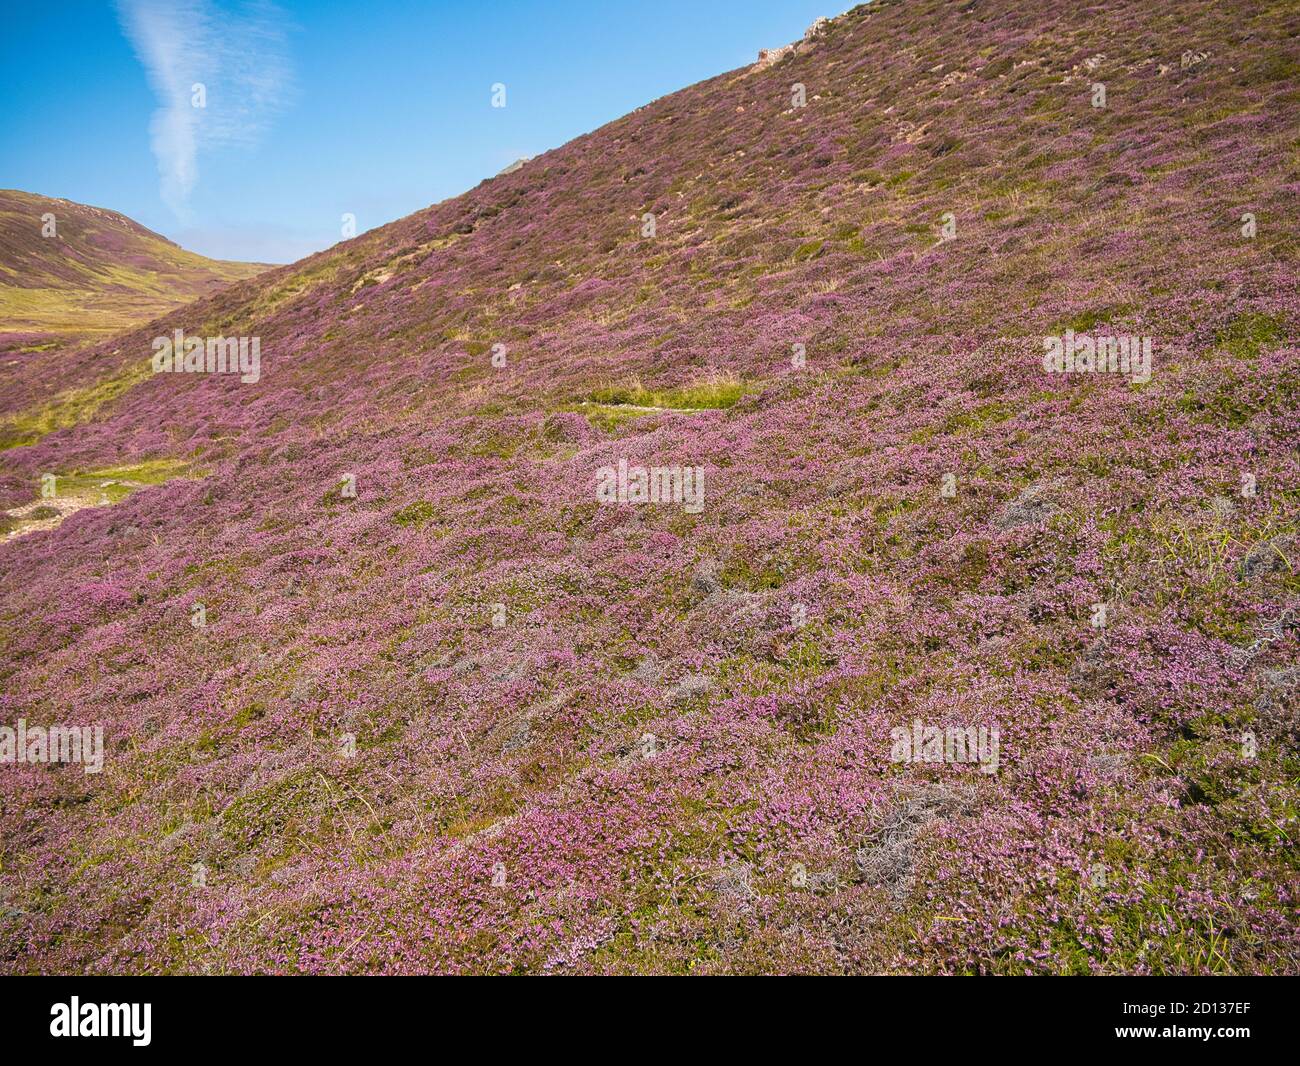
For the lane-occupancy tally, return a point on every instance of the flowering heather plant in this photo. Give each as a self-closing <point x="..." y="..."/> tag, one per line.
<point x="466" y="718"/>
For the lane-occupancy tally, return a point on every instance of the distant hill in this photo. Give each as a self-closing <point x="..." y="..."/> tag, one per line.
<point x="100" y="272"/>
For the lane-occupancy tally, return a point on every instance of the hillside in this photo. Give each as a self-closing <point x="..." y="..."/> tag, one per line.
<point x="89" y="273"/>
<point x="442" y="708"/>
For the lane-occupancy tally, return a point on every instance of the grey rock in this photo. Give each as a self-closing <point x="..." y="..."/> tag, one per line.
<point x="518" y="737"/>
<point x="688" y="687"/>
<point x="516" y="165"/>
<point x="648" y="671"/>
<point x="1032" y="507"/>
<point x="1265" y="557"/>
<point x="705" y="580"/>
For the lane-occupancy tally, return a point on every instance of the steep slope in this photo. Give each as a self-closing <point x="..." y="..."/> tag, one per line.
<point x="69" y="272"/>
<point x="442" y="708"/>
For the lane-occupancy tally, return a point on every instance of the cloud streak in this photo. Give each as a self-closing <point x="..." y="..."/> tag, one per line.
<point x="241" y="60"/>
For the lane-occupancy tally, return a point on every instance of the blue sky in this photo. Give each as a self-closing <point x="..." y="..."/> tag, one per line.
<point x="318" y="108"/>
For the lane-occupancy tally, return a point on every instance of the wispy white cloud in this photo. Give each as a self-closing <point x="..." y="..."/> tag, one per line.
<point x="241" y="59"/>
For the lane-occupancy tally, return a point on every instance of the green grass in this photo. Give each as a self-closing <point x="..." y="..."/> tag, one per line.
<point x="1248" y="333"/>
<point x="611" y="417"/>
<point x="811" y="250"/>
<point x="1091" y="319"/>
<point x="118" y="482"/>
<point x="69" y="408"/>
<point x="415" y="514"/>
<point x="97" y="488"/>
<point x="710" y="393"/>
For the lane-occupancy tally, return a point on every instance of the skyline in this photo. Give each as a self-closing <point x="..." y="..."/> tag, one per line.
<point x="310" y="88"/>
